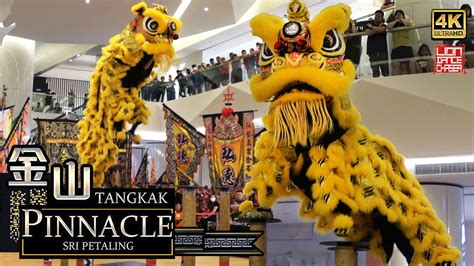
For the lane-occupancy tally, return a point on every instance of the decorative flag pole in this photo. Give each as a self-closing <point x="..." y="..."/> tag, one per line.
<point x="228" y="99"/>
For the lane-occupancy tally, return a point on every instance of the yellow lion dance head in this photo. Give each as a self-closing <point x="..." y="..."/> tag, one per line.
<point x="114" y="94"/>
<point x="152" y="30"/>
<point x="351" y="181"/>
<point x="304" y="74"/>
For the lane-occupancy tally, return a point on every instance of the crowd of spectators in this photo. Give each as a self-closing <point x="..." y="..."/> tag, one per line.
<point x="204" y="77"/>
<point x="402" y="57"/>
<point x="221" y="71"/>
<point x="50" y="102"/>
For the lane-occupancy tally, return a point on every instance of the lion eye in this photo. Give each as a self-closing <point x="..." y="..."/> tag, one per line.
<point x="151" y="25"/>
<point x="266" y="56"/>
<point x="328" y="41"/>
<point x="332" y="43"/>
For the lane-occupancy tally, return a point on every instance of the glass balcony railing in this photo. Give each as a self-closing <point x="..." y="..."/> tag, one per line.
<point x="205" y="79"/>
<point x="416" y="57"/>
<point x="373" y="55"/>
<point x="55" y="104"/>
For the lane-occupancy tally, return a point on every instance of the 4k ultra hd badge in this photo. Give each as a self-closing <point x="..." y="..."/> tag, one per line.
<point x="447" y="24"/>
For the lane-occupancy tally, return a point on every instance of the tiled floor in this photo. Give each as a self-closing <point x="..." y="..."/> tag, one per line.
<point x="11" y="259"/>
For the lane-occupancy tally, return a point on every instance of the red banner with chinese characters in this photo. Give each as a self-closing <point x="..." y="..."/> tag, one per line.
<point x="18" y="135"/>
<point x="229" y="142"/>
<point x="184" y="149"/>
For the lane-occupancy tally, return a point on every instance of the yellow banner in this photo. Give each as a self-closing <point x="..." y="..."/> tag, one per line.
<point x="228" y="157"/>
<point x="230" y="146"/>
<point x="185" y="150"/>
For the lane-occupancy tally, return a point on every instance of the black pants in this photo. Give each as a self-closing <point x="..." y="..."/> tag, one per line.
<point x="379" y="63"/>
<point x="198" y="88"/>
<point x="170" y="94"/>
<point x="191" y="90"/>
<point x="203" y="222"/>
<point x="236" y="75"/>
<point x="182" y="91"/>
<point x="160" y="95"/>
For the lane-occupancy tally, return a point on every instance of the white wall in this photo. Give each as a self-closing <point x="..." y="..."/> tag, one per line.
<point x="194" y="58"/>
<point x="223" y="49"/>
<point x="16" y="70"/>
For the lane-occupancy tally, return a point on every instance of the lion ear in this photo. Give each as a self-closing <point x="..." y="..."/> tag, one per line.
<point x="267" y="27"/>
<point x="139" y="8"/>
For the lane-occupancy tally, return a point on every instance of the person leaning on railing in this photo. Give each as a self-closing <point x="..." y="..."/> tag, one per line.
<point x="236" y="74"/>
<point x="38" y="107"/>
<point x="377" y="45"/>
<point x="402" y="52"/>
<point x="182" y="83"/>
<point x="224" y="71"/>
<point x="161" y="88"/>
<point x="249" y="62"/>
<point x="353" y="44"/>
<point x="170" y="92"/>
<point x="198" y="79"/>
<point x="57" y="108"/>
<point x="424" y="59"/>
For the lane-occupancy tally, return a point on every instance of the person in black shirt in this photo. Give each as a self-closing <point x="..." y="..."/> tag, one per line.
<point x="57" y="108"/>
<point x="170" y="92"/>
<point x="182" y="83"/>
<point x="49" y="99"/>
<point x="198" y="79"/>
<point x="353" y="45"/>
<point x="160" y="89"/>
<point x="189" y="82"/>
<point x="236" y="74"/>
<point x="214" y="209"/>
<point x="377" y="45"/>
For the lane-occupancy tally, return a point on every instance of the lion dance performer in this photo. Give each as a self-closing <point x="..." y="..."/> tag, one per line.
<point x="114" y="94"/>
<point x="352" y="182"/>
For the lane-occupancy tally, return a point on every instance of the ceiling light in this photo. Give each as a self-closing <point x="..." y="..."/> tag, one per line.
<point x="181" y="8"/>
<point x="70" y="60"/>
<point x="206" y="9"/>
<point x="78" y="55"/>
<point x="88" y="1"/>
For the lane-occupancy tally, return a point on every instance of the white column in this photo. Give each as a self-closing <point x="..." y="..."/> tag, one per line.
<point x="448" y="201"/>
<point x="16" y="70"/>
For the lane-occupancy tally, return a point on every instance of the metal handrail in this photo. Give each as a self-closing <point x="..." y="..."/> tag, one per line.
<point x="424" y="25"/>
<point x="62" y="116"/>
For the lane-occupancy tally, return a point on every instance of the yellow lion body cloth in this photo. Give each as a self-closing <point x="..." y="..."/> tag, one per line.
<point x="351" y="181"/>
<point x="114" y="93"/>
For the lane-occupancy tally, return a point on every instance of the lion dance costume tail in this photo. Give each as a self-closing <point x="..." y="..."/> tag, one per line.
<point x="352" y="182"/>
<point x="114" y="94"/>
